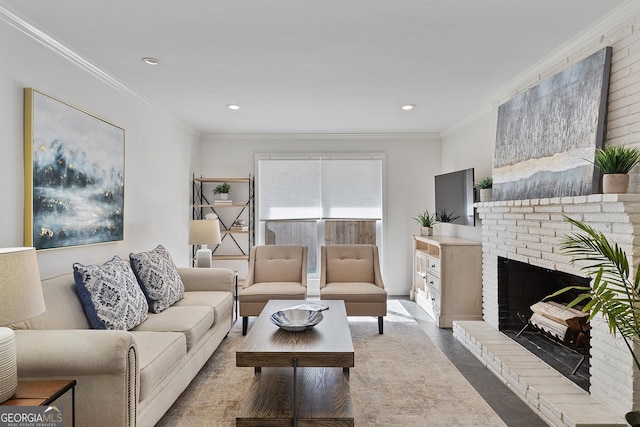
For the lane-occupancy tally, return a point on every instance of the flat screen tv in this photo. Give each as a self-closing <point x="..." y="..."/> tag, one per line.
<point x="454" y="196"/>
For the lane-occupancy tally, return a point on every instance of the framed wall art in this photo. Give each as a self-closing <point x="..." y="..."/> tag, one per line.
<point x="74" y="175"/>
<point x="547" y="137"/>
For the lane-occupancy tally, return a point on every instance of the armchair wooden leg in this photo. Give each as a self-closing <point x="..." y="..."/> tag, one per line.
<point x="380" y="325"/>
<point x="245" y="324"/>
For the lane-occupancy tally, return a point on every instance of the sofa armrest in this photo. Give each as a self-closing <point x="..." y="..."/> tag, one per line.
<point x="103" y="363"/>
<point x="207" y="279"/>
<point x="77" y="352"/>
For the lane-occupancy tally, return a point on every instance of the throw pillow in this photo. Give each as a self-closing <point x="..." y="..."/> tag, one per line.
<point x="110" y="294"/>
<point x="158" y="278"/>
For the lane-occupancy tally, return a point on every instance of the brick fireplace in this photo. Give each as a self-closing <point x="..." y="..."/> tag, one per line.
<point x="531" y="231"/>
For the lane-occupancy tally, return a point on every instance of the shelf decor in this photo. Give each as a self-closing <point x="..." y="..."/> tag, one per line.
<point x="74" y="175"/>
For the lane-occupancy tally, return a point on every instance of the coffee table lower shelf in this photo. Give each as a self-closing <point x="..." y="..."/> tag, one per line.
<point x="322" y="397"/>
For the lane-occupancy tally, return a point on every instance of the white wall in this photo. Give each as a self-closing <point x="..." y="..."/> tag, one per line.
<point x="158" y="155"/>
<point x="470" y="145"/>
<point x="411" y="163"/>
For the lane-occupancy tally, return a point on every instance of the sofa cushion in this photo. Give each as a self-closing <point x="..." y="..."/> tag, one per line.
<point x="221" y="302"/>
<point x="158" y="278"/>
<point x="110" y="295"/>
<point x="158" y="353"/>
<point x="192" y="321"/>
<point x="64" y="309"/>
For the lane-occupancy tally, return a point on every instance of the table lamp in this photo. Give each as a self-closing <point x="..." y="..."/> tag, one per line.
<point x="204" y="232"/>
<point x="20" y="299"/>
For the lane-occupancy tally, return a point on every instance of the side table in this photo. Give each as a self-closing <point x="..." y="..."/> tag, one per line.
<point x="43" y="393"/>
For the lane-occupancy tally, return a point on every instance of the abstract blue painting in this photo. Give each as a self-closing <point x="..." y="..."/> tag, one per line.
<point x="74" y="173"/>
<point x="547" y="137"/>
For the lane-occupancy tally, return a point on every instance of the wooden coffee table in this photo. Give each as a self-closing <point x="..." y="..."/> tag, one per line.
<point x="306" y="380"/>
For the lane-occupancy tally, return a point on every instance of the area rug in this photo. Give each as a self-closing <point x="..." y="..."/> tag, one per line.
<point x="400" y="379"/>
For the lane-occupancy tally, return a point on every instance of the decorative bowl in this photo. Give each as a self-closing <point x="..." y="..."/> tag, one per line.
<point x="296" y="319"/>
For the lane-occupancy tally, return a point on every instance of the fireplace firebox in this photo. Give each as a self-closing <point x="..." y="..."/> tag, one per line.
<point x="522" y="285"/>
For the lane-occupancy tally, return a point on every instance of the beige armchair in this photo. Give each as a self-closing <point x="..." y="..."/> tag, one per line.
<point x="275" y="272"/>
<point x="352" y="273"/>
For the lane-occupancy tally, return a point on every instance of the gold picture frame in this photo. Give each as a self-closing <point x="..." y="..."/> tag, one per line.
<point x="73" y="174"/>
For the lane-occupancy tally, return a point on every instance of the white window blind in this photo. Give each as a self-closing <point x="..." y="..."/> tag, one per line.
<point x="320" y="188"/>
<point x="289" y="189"/>
<point x="351" y="188"/>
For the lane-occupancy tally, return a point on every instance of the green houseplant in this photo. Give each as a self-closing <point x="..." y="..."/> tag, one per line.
<point x="615" y="162"/>
<point x="427" y="221"/>
<point x="223" y="190"/>
<point x="444" y="216"/>
<point x="613" y="293"/>
<point x="485" y="185"/>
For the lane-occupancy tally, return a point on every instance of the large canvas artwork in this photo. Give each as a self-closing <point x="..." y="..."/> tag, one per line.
<point x="74" y="175"/>
<point x="547" y="137"/>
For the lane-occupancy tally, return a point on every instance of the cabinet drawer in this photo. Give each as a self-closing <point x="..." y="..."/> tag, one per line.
<point x="433" y="264"/>
<point x="433" y="282"/>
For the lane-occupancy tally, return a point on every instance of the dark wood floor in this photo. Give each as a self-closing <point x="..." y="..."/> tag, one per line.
<point x="512" y="410"/>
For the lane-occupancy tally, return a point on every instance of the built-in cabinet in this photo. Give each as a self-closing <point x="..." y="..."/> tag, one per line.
<point x="236" y="214"/>
<point x="447" y="278"/>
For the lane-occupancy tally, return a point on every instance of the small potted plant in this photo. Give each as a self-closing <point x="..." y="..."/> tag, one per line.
<point x="444" y="216"/>
<point x="426" y="221"/>
<point x="485" y="185"/>
<point x="615" y="162"/>
<point x="222" y="190"/>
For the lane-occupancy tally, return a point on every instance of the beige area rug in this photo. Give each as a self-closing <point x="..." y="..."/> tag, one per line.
<point x="400" y="379"/>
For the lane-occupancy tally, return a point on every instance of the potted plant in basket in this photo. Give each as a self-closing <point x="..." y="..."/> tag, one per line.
<point x="426" y="221"/>
<point x="223" y="190"/>
<point x="485" y="185"/>
<point x="615" y="162"/>
<point x="613" y="293"/>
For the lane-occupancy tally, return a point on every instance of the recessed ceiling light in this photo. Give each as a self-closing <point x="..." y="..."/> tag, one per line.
<point x="233" y="106"/>
<point x="408" y="106"/>
<point x="151" y="61"/>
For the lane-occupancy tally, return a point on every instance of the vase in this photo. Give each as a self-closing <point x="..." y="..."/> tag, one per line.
<point x="615" y="183"/>
<point x="224" y="196"/>
<point x="485" y="194"/>
<point x="426" y="231"/>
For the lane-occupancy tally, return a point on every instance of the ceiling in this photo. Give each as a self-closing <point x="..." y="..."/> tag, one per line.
<point x="314" y="66"/>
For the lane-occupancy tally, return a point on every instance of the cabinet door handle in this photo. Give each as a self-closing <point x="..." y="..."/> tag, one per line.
<point x="433" y="266"/>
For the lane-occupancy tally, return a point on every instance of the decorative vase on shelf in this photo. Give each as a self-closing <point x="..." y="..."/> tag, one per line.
<point x="486" y="194"/>
<point x="426" y="231"/>
<point x="224" y="196"/>
<point x="615" y="183"/>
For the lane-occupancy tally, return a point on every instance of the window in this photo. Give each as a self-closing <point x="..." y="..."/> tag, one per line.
<point x="319" y="200"/>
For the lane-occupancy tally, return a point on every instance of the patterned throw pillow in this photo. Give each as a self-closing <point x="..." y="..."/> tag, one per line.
<point x="110" y="294"/>
<point x="158" y="278"/>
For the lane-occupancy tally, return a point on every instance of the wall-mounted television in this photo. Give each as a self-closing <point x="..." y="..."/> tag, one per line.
<point x="454" y="196"/>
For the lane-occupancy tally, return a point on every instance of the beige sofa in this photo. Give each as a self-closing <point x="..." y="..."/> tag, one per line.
<point x="127" y="378"/>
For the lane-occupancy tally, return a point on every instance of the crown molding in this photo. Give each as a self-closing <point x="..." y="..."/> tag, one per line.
<point x="68" y="54"/>
<point x="574" y="49"/>
<point x="319" y="136"/>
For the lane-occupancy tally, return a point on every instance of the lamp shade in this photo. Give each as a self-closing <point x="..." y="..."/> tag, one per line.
<point x="20" y="288"/>
<point x="204" y="232"/>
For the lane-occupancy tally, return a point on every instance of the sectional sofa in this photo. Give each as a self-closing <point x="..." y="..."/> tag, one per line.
<point x="126" y="377"/>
